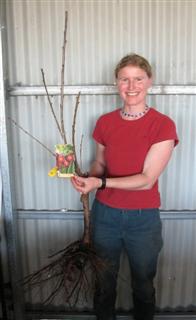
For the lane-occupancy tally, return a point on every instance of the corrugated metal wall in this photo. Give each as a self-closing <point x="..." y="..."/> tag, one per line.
<point x="177" y="185"/>
<point x="99" y="34"/>
<point x="46" y="233"/>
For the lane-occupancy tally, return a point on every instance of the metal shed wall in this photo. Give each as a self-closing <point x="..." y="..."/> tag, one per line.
<point x="45" y="233"/>
<point x="99" y="34"/>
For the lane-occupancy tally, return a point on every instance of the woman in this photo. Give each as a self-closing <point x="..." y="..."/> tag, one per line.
<point x="133" y="146"/>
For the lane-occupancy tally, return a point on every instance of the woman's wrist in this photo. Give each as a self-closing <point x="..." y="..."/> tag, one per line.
<point x="102" y="183"/>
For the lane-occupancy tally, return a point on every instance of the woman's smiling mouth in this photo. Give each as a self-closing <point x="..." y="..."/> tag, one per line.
<point x="132" y="93"/>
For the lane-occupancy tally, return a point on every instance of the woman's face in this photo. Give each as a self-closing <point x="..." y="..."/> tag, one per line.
<point x="133" y="83"/>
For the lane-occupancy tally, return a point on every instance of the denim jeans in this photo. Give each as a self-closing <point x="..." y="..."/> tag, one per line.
<point x="138" y="232"/>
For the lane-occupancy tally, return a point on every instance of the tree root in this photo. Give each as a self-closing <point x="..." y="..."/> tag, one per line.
<point x="72" y="273"/>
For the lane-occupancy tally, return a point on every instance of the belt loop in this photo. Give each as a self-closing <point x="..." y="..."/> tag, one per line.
<point x="140" y="212"/>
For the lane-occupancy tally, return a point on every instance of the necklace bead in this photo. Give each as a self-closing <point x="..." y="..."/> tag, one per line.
<point x="134" y="115"/>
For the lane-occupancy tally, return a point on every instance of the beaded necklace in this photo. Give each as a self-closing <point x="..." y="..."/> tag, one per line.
<point x="134" y="115"/>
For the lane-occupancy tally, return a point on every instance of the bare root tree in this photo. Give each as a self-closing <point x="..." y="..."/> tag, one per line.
<point x="74" y="270"/>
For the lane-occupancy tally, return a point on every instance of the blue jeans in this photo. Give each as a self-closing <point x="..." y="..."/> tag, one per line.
<point x="139" y="233"/>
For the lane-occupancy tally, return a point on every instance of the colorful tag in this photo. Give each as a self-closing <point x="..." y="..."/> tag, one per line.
<point x="65" y="160"/>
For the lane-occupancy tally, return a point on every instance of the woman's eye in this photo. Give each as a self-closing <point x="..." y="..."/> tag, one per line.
<point x="123" y="80"/>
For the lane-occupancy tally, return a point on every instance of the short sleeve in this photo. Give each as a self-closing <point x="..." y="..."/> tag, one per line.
<point x="165" y="130"/>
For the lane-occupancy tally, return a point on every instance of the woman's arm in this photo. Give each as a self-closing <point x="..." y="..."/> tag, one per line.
<point x="97" y="169"/>
<point x="155" y="162"/>
<point x="98" y="165"/>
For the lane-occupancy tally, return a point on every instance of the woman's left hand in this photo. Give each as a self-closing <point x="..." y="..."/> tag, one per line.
<point x="85" y="185"/>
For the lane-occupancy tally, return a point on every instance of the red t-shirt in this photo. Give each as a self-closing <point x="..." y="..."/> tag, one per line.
<point x="126" y="145"/>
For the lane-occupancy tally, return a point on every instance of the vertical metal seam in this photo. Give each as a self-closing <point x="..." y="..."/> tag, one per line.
<point x="10" y="225"/>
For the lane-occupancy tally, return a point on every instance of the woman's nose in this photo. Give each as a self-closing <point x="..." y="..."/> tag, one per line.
<point x="131" y="84"/>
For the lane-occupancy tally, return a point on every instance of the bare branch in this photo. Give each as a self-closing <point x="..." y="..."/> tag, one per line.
<point x="78" y="170"/>
<point x="50" y="104"/>
<point x="30" y="135"/>
<point x="81" y="144"/>
<point x="62" y="79"/>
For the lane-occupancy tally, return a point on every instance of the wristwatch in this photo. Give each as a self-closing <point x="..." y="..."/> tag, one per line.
<point x="103" y="184"/>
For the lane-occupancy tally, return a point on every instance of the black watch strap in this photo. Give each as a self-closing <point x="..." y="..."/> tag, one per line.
<point x="103" y="185"/>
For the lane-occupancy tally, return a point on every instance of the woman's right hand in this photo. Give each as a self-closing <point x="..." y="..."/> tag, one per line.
<point x="85" y="185"/>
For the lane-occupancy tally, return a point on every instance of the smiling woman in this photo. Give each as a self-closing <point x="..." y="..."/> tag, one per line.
<point x="133" y="147"/>
<point x="134" y="78"/>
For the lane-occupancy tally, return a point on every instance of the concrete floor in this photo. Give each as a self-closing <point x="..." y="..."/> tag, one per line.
<point x="123" y="317"/>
